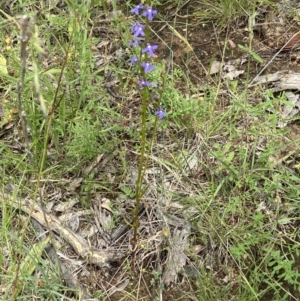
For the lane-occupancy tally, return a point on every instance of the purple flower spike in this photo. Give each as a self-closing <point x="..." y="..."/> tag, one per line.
<point x="138" y="29"/>
<point x="148" y="67"/>
<point x="144" y="83"/>
<point x="160" y="113"/>
<point x="149" y="13"/>
<point x="133" y="60"/>
<point x="150" y="49"/>
<point x="136" y="10"/>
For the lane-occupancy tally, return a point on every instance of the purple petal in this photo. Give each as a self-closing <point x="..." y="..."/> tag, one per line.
<point x="136" y="9"/>
<point x="160" y="113"/>
<point x="149" y="13"/>
<point x="133" y="60"/>
<point x="150" y="49"/>
<point x="144" y="83"/>
<point x="137" y="29"/>
<point x="148" y="67"/>
<point x="134" y="43"/>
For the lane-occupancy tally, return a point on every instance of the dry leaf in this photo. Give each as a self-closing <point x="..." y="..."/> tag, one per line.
<point x="75" y="184"/>
<point x="232" y="44"/>
<point x="233" y="74"/>
<point x="64" y="206"/>
<point x="215" y="67"/>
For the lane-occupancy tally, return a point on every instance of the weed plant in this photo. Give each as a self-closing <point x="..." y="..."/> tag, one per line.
<point x="236" y="173"/>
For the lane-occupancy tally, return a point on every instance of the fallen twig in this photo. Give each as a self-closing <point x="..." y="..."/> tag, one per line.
<point x="80" y="245"/>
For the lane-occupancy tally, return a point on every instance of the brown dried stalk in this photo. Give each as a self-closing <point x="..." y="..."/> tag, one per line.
<point x="27" y="28"/>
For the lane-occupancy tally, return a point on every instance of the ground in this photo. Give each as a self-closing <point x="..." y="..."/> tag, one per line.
<point x="217" y="213"/>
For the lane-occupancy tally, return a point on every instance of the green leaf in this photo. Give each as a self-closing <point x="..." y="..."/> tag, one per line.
<point x="230" y="157"/>
<point x="252" y="53"/>
<point x="28" y="265"/>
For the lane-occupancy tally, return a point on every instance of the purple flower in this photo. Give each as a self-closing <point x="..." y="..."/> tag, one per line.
<point x="150" y="49"/>
<point x="136" y="10"/>
<point x="144" y="83"/>
<point x="160" y="113"/>
<point x="134" y="43"/>
<point x="133" y="60"/>
<point x="138" y="29"/>
<point x="155" y="96"/>
<point x="149" y="13"/>
<point x="148" y="67"/>
<point x="135" y="26"/>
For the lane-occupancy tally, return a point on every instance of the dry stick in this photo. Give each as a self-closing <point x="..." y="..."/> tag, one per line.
<point x="272" y="59"/>
<point x="100" y="258"/>
<point x="27" y="28"/>
<point x="69" y="279"/>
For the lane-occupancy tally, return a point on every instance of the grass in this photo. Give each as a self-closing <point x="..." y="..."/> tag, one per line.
<point x="219" y="162"/>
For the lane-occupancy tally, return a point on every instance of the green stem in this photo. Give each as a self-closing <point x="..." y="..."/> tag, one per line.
<point x="142" y="167"/>
<point x="143" y="155"/>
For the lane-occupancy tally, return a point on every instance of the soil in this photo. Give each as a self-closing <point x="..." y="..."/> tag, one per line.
<point x="209" y="45"/>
